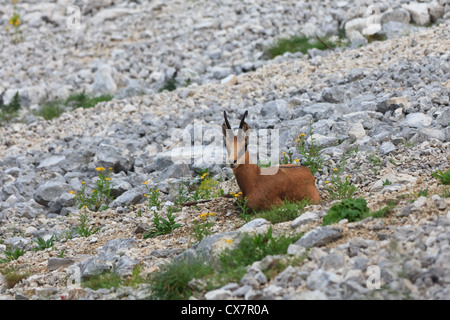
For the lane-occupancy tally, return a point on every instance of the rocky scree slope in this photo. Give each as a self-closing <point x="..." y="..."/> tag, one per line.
<point x="389" y="99"/>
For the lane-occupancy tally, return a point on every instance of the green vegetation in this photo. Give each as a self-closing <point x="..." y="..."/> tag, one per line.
<point x="11" y="110"/>
<point x="297" y="43"/>
<point x="110" y="280"/>
<point x="287" y="212"/>
<point x="386" y="182"/>
<point x="12" y="254"/>
<point x="99" y="197"/>
<point x="354" y="210"/>
<point x="44" y="244"/>
<point x="83" y="229"/>
<point x="203" y="225"/>
<point x="13" y="275"/>
<point x="152" y="197"/>
<point x="311" y="153"/>
<point x="337" y="188"/>
<point x="171" y="282"/>
<point x="161" y="225"/>
<point x="443" y="177"/>
<point x="53" y="109"/>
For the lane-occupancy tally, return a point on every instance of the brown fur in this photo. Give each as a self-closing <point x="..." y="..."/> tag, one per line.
<point x="290" y="182"/>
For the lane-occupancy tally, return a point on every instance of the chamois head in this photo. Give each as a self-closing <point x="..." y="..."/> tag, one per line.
<point x="236" y="144"/>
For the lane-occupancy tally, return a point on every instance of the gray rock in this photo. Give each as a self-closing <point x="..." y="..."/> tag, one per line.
<point x="321" y="280"/>
<point x="103" y="81"/>
<point x="419" y="12"/>
<point x="125" y="266"/>
<point x="304" y="218"/>
<point x="319" y="237"/>
<point x="132" y="196"/>
<point x="111" y="156"/>
<point x="49" y="191"/>
<point x="116" y="245"/>
<point x="56" y="263"/>
<point x="387" y="147"/>
<point x="219" y="294"/>
<point x="176" y="171"/>
<point x="51" y="161"/>
<point x="395" y="15"/>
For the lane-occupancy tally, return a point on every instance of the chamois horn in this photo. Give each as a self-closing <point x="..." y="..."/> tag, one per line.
<point x="243" y="119"/>
<point x="226" y="120"/>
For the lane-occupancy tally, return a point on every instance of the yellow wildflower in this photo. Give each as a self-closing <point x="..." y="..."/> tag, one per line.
<point x="236" y="195"/>
<point x="110" y="168"/>
<point x="107" y="179"/>
<point x="327" y="181"/>
<point x="82" y="182"/>
<point x="298" y="140"/>
<point x="145" y="182"/>
<point x="100" y="169"/>
<point x="335" y="169"/>
<point x="302" y="135"/>
<point x="297" y="160"/>
<point x="145" y="195"/>
<point x="72" y="192"/>
<point x="240" y="192"/>
<point x="228" y="241"/>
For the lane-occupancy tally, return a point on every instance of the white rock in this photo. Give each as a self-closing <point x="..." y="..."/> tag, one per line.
<point x="304" y="218"/>
<point x="29" y="231"/>
<point x="357" y="130"/>
<point x="103" y="81"/>
<point x="417" y="120"/>
<point x="219" y="294"/>
<point x="419" y="12"/>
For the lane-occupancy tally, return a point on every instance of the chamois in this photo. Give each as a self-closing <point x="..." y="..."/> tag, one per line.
<point x="290" y="182"/>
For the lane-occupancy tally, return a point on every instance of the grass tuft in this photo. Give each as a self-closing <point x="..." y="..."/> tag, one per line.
<point x="297" y="43"/>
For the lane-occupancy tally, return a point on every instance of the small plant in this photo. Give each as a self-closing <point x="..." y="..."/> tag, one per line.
<point x="376" y="162"/>
<point x="182" y="193"/>
<point x="170" y="85"/>
<point x="83" y="229"/>
<point x="13" y="275"/>
<point x="12" y="254"/>
<point x="99" y="197"/>
<point x="16" y="35"/>
<point x="152" y="197"/>
<point x="298" y="43"/>
<point x="208" y="187"/>
<point x="202" y="227"/>
<point x="286" y="159"/>
<point x="384" y="211"/>
<point x="81" y="100"/>
<point x="350" y="209"/>
<point x="10" y="111"/>
<point x="445" y="193"/>
<point x="311" y="153"/>
<point x="443" y="177"/>
<point x="161" y="225"/>
<point x="53" y="109"/>
<point x="287" y="212"/>
<point x="420" y="193"/>
<point x="387" y="182"/>
<point x="106" y="280"/>
<point x="44" y="244"/>
<point x="339" y="189"/>
<point x="354" y="210"/>
<point x="62" y="253"/>
<point x="241" y="202"/>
